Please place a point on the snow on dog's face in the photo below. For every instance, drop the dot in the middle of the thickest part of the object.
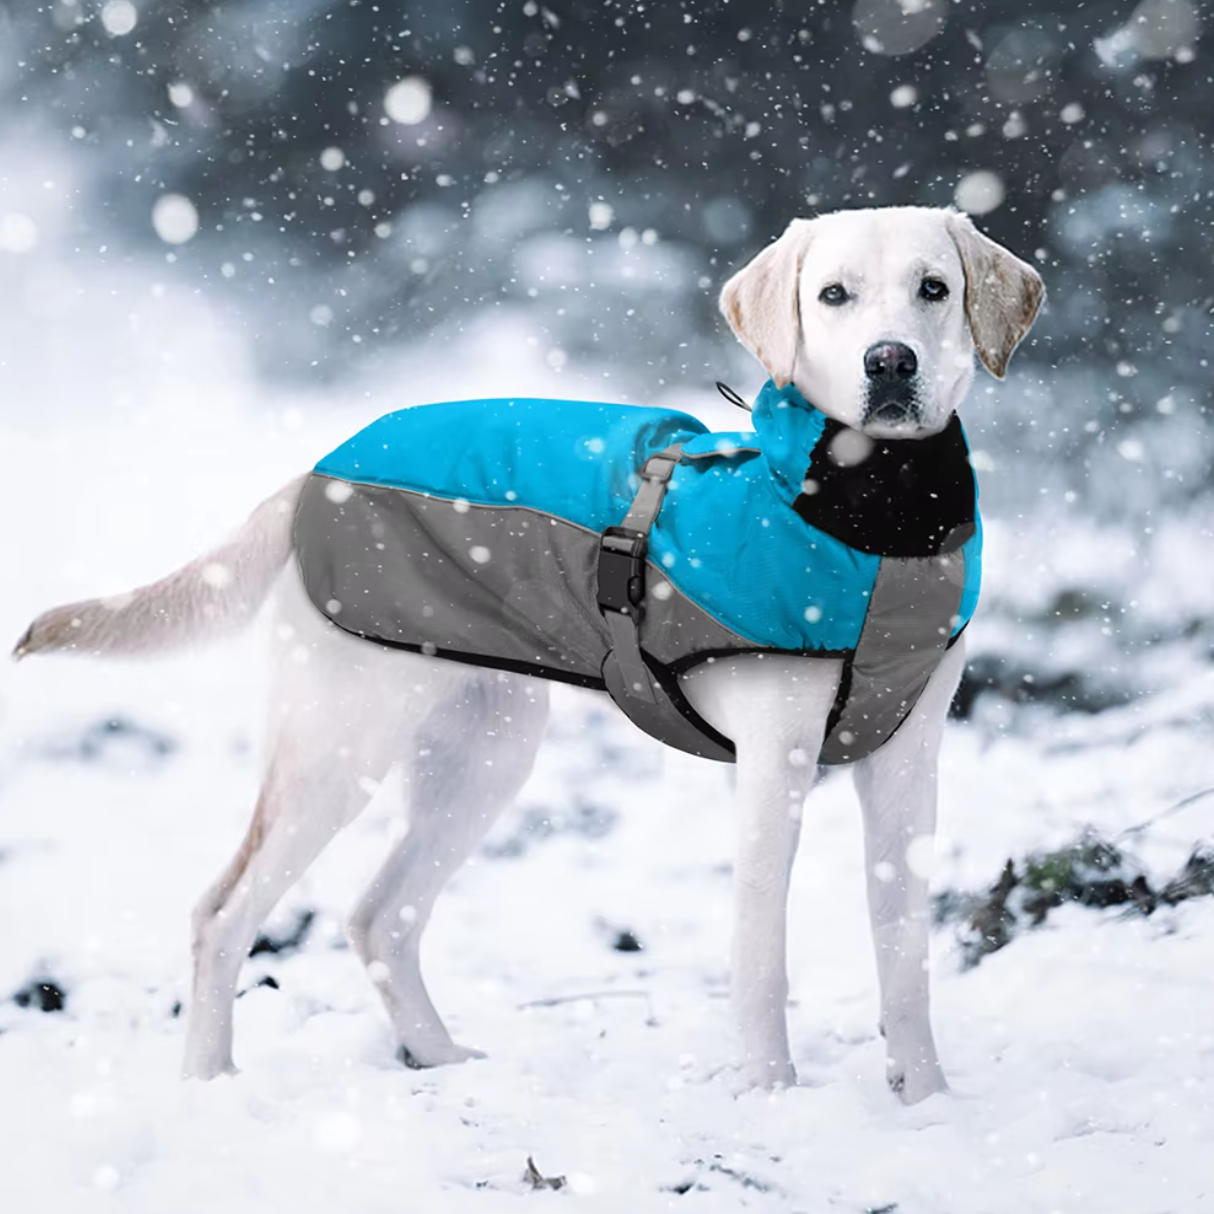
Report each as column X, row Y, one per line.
column 875, row 315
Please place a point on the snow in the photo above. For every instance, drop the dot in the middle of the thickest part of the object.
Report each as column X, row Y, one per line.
column 979, row 192
column 602, row 214
column 119, row 17
column 1081, row 1057
column 175, row 218
column 181, row 94
column 332, row 159
column 18, row 233
column 897, row 27
column 408, row 101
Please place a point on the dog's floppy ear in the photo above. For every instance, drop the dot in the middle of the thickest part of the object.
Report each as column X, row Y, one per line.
column 1002, row 294
column 762, row 301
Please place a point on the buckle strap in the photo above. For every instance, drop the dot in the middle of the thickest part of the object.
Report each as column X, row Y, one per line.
column 623, row 549
column 637, row 683
column 621, row 572
column 655, row 480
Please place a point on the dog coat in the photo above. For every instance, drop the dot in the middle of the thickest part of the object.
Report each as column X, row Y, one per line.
column 615, row 547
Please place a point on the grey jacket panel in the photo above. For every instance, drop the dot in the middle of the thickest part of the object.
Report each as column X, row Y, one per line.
column 506, row 584
column 514, row 588
column 906, row 631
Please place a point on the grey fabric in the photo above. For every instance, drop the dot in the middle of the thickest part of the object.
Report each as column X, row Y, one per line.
column 665, row 713
column 514, row 588
column 402, row 568
column 906, row 632
column 634, row 681
column 632, row 685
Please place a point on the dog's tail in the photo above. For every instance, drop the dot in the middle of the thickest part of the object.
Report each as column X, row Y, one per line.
column 211, row 597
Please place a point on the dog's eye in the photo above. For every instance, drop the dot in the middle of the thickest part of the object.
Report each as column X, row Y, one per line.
column 834, row 295
column 933, row 290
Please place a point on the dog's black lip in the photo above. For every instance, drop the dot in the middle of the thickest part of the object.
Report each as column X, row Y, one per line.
column 892, row 406
column 889, row 415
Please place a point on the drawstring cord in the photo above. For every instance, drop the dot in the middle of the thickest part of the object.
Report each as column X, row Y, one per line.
column 733, row 397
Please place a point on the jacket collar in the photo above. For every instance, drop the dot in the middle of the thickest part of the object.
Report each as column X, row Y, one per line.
column 788, row 428
column 908, row 497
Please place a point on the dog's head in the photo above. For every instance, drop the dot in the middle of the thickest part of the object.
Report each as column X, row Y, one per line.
column 875, row 315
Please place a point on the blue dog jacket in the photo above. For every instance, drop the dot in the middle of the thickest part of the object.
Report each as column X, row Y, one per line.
column 474, row 530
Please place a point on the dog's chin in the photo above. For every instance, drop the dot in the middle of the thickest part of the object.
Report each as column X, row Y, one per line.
column 899, row 417
column 879, row 428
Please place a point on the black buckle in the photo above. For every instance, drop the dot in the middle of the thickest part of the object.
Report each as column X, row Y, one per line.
column 622, row 570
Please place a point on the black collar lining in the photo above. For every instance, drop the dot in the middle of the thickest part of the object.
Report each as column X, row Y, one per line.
column 911, row 497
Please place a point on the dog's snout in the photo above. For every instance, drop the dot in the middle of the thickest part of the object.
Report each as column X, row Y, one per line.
column 890, row 361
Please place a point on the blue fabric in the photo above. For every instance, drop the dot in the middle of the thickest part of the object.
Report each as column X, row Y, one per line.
column 726, row 536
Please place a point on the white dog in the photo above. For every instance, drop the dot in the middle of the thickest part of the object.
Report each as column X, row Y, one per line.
column 922, row 288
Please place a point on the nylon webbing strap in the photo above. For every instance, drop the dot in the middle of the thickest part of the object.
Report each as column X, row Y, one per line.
column 651, row 700
column 655, row 480
column 621, row 573
column 626, row 649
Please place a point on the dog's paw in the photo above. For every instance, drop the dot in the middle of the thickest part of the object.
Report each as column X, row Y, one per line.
column 422, row 1059
column 206, row 1069
column 916, row 1082
column 764, row 1077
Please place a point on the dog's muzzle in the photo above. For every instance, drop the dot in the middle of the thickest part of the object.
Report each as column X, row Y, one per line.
column 892, row 371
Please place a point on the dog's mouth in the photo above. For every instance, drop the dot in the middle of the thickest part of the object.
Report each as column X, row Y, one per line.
column 891, row 402
column 892, row 413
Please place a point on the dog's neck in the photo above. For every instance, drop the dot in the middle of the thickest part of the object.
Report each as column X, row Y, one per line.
column 908, row 497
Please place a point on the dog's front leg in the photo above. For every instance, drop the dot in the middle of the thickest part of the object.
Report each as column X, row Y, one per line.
column 774, row 778
column 897, row 789
column 775, row 710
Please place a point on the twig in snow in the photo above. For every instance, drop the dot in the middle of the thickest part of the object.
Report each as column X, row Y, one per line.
column 1182, row 804
column 289, row 941
column 592, row 996
column 533, row 1177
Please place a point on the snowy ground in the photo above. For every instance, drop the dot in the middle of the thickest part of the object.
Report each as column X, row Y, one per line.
column 1081, row 1057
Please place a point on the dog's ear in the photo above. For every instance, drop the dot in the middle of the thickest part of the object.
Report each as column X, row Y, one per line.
column 1002, row 294
column 762, row 301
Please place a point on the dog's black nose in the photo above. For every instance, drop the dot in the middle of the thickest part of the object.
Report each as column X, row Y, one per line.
column 890, row 361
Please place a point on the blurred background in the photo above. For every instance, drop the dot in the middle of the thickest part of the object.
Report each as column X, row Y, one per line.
column 232, row 232
column 330, row 183
column 291, row 215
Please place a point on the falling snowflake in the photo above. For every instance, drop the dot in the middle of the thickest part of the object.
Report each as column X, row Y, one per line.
column 175, row 218
column 409, row 100
column 119, row 17
column 979, row 192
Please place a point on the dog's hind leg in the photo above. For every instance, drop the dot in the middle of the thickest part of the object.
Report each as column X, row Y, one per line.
column 897, row 790
column 472, row 755
column 309, row 793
